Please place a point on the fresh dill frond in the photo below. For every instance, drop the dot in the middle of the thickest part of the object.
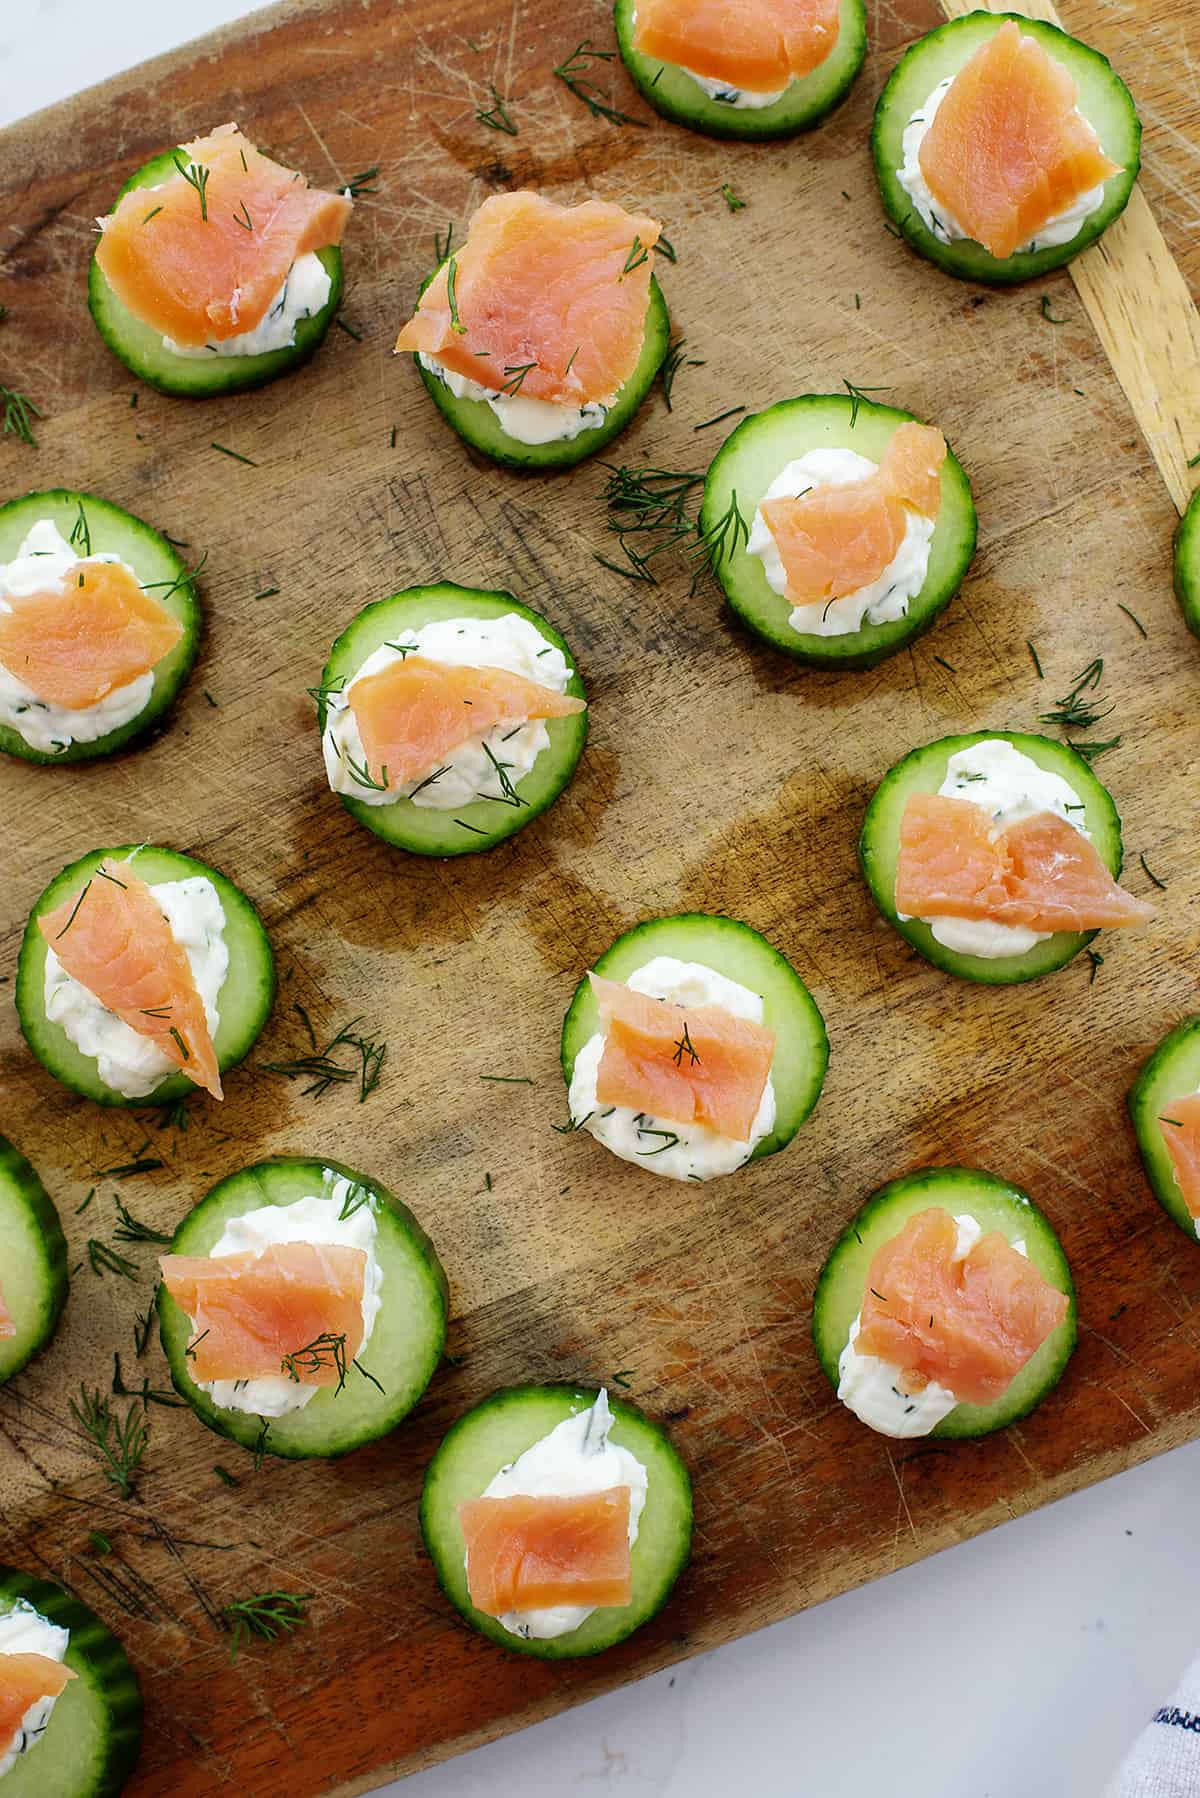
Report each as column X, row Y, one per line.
column 322, row 1068
column 497, row 117
column 649, row 511
column 1075, row 710
column 671, row 364
column 18, row 410
column 106, row 1260
column 638, row 253
column 266, row 1616
column 858, row 395
column 196, row 175
column 721, row 540
column 509, row 794
column 81, row 536
column 129, row 1229
column 664, row 247
column 323, row 1351
column 685, row 1046
column 119, row 1441
column 361, row 183
column 575, row 74
column 516, row 373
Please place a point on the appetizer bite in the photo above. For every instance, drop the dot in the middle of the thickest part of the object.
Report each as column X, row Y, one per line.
column 839, row 529
column 302, row 1308
column 70, row 1707
column 692, row 1048
column 1164, row 1103
column 217, row 269
column 996, row 855
column 557, row 1520
column 143, row 975
column 1187, row 564
column 449, row 718
column 541, row 335
column 946, row 1308
column 99, row 623
column 33, row 1268
column 1003, row 147
column 743, row 68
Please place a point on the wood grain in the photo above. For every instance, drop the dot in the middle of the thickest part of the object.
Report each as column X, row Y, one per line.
column 718, row 776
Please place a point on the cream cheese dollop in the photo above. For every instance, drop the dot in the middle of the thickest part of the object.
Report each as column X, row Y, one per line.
column 23, row 1630
column 305, row 290
column 525, row 419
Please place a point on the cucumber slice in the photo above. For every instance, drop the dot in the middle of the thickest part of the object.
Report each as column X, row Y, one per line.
column 995, row 1205
column 245, row 999
column 1187, row 564
column 143, row 352
column 483, row 823
column 744, row 467
column 733, row 949
column 91, row 1743
column 33, row 1261
column 478, row 425
column 156, row 565
column 1104, row 100
column 499, row 1430
column 1172, row 1072
column 923, row 771
column 804, row 104
column 406, row 1343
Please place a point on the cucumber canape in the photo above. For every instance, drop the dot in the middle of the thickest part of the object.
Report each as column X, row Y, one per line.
column 79, row 1030
column 953, row 1302
column 59, row 706
column 903, row 117
column 543, row 1441
column 1008, row 775
column 722, row 109
column 370, row 1324
column 824, row 445
column 722, row 1073
column 85, row 1742
column 33, row 1263
column 1187, row 564
column 392, row 749
column 1164, row 1103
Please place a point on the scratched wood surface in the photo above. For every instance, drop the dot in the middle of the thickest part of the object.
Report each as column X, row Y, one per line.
column 718, row 776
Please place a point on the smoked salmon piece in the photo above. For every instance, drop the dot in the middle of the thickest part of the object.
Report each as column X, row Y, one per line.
column 969, row 1324
column 24, row 1678
column 755, row 45
column 251, row 1312
column 1007, row 151
column 113, row 939
column 838, row 539
column 7, row 1326
column 200, row 269
column 699, row 1065
column 414, row 712
column 74, row 647
column 528, row 1554
column 550, row 300
column 1180, row 1126
column 1040, row 873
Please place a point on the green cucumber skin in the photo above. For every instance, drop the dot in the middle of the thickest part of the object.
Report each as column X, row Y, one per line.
column 993, row 1202
column 184, row 377
column 1161, row 1080
column 478, row 426
column 295, row 1438
column 877, row 856
column 692, row 935
column 250, row 986
column 803, row 105
column 640, row 1434
column 967, row 260
column 420, row 830
column 818, row 421
column 105, row 1681
column 1187, row 565
column 111, row 528
column 21, row 1189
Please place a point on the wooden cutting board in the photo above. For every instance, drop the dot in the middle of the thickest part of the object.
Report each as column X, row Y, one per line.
column 718, row 776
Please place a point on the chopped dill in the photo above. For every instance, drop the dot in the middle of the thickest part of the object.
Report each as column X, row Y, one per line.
column 152, row 214
column 508, row 1080
column 340, row 322
column 196, row 175
column 622, row 1377
column 857, row 397
column 81, row 536
column 1151, row 875
column 720, row 418
column 670, row 1139
column 266, row 1615
column 473, row 828
column 142, row 1324
column 1075, row 710
column 1133, row 617
column 685, row 1046
column 731, row 199
column 323, row 1351
column 1036, row 659
column 664, row 247
column 638, row 254
column 223, row 1474
column 86, row 1202
column 360, row 184
column 99, row 1543
column 323, row 1070
column 497, row 118
column 120, row 1441
column 516, row 376
column 235, row 454
column 1044, row 308
column 1097, row 961
column 129, row 1229
column 575, row 74
column 943, row 663
column 649, row 511
column 106, row 1260
column 456, row 323
column 245, row 221
column 18, row 410
column 509, row 794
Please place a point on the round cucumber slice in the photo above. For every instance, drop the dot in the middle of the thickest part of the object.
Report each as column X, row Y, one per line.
column 733, row 949
column 923, row 771
column 804, row 104
column 106, row 527
column 744, row 467
column 478, row 425
column 995, row 1205
column 425, row 830
column 244, row 1002
column 33, row 1261
column 1172, row 1072
column 405, row 1345
column 143, row 352
column 1104, row 100
column 1187, row 564
column 499, row 1430
column 91, row 1743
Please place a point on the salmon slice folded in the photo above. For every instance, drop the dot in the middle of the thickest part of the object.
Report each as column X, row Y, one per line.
column 698, row 1065
column 113, row 939
column 1180, row 1126
column 755, row 45
column 197, row 272
column 24, row 1678
column 529, row 1554
column 74, row 647
column 250, row 1313
column 969, row 1324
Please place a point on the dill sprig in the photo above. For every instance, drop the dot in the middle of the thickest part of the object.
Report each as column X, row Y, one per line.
column 731, row 199
column 720, row 541
column 196, row 175
column 1080, row 708
column 323, row 1351
column 361, row 183
column 575, row 74
column 671, row 364
column 360, row 773
column 127, row 1169
column 441, row 246
column 858, row 395
column 649, row 511
column 1045, row 309
column 516, row 373
column 142, row 1323
column 720, row 418
column 129, row 1229
column 685, row 1046
column 81, row 536
column 664, row 247
column 509, row 794
column 148, row 1394
column 189, row 574
column 497, row 118
column 120, row 1441
column 638, row 253
column 266, row 1615
column 357, row 1195
column 670, row 1139
column 322, row 1070
column 106, row 1260
column 18, row 409
column 1091, row 751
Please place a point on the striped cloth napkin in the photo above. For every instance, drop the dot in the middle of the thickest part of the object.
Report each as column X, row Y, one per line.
column 1164, row 1762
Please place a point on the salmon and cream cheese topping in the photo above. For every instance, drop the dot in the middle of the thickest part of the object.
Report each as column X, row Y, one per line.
column 744, row 54
column 32, row 1679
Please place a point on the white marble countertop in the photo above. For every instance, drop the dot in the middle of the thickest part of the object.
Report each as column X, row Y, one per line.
column 1017, row 1666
